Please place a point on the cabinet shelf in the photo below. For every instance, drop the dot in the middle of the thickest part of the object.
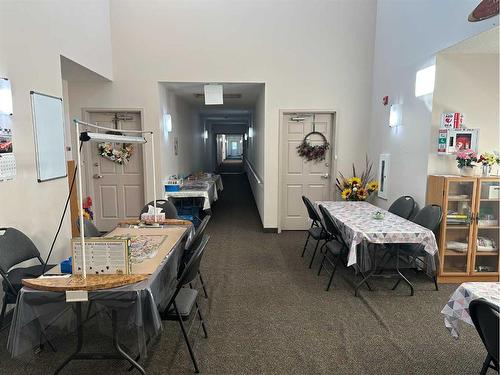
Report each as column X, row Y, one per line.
column 488, row 227
column 454, row 226
column 451, row 253
column 487, row 253
column 490, row 199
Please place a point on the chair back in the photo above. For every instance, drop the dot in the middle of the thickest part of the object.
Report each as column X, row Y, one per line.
column 330, row 225
column 311, row 210
column 89, row 228
column 193, row 243
column 403, row 206
column 166, row 206
column 429, row 217
column 486, row 317
column 191, row 270
column 15, row 247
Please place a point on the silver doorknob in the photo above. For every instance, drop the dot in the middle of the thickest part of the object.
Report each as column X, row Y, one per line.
column 325, row 176
column 97, row 176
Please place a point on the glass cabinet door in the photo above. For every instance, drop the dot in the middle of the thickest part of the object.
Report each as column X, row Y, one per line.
column 458, row 225
column 487, row 235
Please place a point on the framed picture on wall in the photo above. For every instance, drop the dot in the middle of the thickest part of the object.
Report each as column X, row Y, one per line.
column 176, row 146
column 383, row 175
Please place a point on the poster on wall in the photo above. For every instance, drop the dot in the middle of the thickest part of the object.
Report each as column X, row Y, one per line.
column 7, row 160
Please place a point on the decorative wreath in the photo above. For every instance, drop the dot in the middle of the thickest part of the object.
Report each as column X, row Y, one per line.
column 118, row 155
column 310, row 152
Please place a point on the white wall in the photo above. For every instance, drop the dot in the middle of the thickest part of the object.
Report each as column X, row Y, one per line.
column 186, row 126
column 466, row 83
column 408, row 36
column 33, row 35
column 311, row 55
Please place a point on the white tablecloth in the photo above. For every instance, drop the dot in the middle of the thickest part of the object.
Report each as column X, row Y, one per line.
column 457, row 308
column 355, row 221
column 206, row 190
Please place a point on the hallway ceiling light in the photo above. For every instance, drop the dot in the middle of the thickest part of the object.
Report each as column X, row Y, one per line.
column 424, row 81
column 5, row 97
column 205, row 134
column 213, row 94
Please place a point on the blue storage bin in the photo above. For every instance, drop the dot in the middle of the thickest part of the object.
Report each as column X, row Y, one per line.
column 172, row 188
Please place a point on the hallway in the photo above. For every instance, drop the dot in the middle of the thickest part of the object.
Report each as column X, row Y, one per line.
column 231, row 166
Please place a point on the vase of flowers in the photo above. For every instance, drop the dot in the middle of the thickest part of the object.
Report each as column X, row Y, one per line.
column 357, row 187
column 465, row 161
column 488, row 160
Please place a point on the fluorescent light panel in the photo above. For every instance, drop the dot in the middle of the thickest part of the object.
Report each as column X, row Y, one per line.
column 102, row 137
column 5, row 97
column 213, row 94
column 396, row 115
column 250, row 132
column 424, row 81
column 167, row 122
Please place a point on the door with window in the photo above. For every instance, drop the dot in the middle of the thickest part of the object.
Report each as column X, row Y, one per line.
column 117, row 189
column 299, row 176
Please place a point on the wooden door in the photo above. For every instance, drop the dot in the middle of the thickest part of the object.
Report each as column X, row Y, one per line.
column 300, row 177
column 117, row 189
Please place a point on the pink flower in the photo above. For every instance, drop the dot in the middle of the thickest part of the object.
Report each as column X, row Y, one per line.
column 466, row 154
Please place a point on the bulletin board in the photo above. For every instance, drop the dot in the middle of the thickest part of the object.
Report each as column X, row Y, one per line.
column 48, row 129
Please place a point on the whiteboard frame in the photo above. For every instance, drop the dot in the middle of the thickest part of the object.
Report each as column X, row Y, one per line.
column 35, row 132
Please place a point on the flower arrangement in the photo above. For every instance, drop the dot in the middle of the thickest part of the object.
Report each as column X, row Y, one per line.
column 87, row 209
column 489, row 159
column 357, row 188
column 466, row 158
column 310, row 152
column 119, row 156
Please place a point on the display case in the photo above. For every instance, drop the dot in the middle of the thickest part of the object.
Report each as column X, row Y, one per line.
column 468, row 237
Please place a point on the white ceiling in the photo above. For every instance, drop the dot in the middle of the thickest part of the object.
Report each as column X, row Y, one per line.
column 485, row 43
column 186, row 90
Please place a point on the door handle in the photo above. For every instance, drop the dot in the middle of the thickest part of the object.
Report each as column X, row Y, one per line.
column 97, row 176
column 325, row 176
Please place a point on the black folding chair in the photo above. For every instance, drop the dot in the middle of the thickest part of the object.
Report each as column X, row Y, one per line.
column 166, row 206
column 486, row 317
column 89, row 228
column 403, row 206
column 429, row 217
column 316, row 230
column 15, row 248
column 191, row 247
column 185, row 300
column 335, row 247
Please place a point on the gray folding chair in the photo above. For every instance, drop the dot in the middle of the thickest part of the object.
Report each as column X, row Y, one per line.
column 403, row 206
column 316, row 231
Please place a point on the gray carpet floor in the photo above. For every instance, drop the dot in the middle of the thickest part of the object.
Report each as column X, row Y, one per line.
column 269, row 314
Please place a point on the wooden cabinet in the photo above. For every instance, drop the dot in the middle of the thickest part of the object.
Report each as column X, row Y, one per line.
column 468, row 237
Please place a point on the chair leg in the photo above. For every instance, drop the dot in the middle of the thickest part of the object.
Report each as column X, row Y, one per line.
column 186, row 338
column 2, row 314
column 321, row 264
column 314, row 254
column 202, row 320
column 305, row 245
column 331, row 276
column 436, row 283
column 486, row 365
column 202, row 284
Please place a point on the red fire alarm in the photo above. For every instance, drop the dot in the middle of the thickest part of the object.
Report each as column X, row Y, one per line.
column 385, row 100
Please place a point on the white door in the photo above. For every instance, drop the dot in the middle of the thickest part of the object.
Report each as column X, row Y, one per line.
column 117, row 190
column 300, row 177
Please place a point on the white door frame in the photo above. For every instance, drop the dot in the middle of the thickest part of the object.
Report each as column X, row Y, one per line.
column 334, row 155
column 86, row 154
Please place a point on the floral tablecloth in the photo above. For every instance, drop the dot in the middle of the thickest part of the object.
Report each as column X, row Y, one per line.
column 358, row 226
column 457, row 308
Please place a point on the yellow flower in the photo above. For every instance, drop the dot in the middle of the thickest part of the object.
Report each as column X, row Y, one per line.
column 346, row 193
column 372, row 186
column 362, row 194
column 354, row 181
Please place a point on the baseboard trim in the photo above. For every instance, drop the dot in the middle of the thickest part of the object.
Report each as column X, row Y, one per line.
column 270, row 230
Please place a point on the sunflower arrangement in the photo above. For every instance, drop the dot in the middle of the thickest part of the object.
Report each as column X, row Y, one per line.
column 357, row 188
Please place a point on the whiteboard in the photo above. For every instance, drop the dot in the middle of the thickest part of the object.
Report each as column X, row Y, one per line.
column 48, row 128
